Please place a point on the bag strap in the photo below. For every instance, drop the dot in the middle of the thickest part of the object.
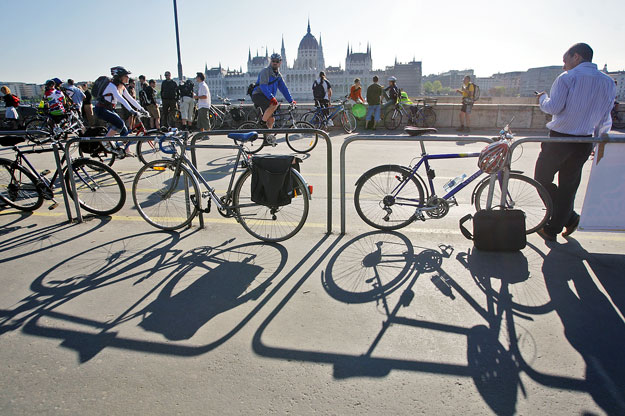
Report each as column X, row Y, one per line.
column 463, row 229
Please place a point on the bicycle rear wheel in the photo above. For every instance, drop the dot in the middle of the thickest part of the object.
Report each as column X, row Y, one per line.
column 38, row 130
column 271, row 224
column 99, row 189
column 523, row 193
column 159, row 194
column 426, row 117
column 302, row 142
column 348, row 121
column 387, row 197
column 256, row 145
column 149, row 151
column 392, row 118
column 18, row 187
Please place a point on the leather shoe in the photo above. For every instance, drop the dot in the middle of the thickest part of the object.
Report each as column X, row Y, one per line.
column 570, row 229
column 545, row 235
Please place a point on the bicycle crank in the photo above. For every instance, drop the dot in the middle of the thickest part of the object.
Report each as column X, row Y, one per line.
column 437, row 208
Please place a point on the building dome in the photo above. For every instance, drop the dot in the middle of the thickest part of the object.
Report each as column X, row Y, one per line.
column 308, row 42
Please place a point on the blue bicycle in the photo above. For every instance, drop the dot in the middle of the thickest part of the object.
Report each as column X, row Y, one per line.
column 390, row 197
column 320, row 117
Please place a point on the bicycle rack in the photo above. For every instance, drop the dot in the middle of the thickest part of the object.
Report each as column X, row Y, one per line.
column 321, row 133
column 79, row 140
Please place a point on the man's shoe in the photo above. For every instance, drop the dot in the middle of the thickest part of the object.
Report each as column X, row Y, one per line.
column 461, row 128
column 570, row 229
column 545, row 235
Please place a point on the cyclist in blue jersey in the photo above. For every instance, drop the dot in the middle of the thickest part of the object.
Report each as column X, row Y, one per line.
column 269, row 82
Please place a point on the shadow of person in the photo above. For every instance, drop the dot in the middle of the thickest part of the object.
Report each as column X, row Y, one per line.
column 592, row 325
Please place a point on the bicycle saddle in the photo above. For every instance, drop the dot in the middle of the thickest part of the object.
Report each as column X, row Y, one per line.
column 418, row 131
column 243, row 137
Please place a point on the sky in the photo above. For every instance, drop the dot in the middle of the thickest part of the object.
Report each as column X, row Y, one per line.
column 82, row 39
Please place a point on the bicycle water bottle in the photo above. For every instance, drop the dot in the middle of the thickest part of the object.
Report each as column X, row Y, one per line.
column 454, row 182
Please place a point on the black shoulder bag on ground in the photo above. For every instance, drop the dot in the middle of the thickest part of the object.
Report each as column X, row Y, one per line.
column 496, row 230
column 272, row 181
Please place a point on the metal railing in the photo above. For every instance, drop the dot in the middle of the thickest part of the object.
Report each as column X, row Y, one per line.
column 397, row 138
column 68, row 159
column 198, row 136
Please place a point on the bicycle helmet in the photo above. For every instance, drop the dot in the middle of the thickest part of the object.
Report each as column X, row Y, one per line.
column 118, row 71
column 493, row 157
column 50, row 83
column 57, row 81
column 392, row 79
column 276, row 57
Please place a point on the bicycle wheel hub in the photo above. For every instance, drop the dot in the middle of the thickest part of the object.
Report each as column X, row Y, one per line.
column 388, row 200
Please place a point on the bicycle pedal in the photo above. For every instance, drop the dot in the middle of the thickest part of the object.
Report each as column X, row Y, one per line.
column 53, row 206
column 44, row 172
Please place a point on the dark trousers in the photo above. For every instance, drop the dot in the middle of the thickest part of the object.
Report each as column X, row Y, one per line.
column 323, row 103
column 169, row 105
column 567, row 160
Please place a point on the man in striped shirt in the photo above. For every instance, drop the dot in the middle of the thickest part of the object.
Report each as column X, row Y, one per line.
column 580, row 103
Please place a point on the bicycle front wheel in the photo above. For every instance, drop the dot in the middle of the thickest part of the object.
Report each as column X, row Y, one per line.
column 38, row 130
column 99, row 189
column 256, row 145
column 387, row 197
column 392, row 118
column 348, row 121
column 18, row 187
column 314, row 118
column 523, row 193
column 271, row 224
column 159, row 193
column 302, row 142
column 148, row 151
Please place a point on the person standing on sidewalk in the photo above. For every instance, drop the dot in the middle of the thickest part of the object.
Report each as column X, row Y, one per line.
column 580, row 103
column 203, row 102
column 149, row 98
column 374, row 100
column 187, row 104
column 169, row 95
column 468, row 94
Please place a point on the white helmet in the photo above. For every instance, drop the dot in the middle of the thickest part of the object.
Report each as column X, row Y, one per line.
column 392, row 79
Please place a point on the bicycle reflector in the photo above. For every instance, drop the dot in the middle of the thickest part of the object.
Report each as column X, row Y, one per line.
column 493, row 157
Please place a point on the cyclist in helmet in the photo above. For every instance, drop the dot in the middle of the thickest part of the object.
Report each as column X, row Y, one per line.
column 267, row 85
column 391, row 93
column 56, row 103
column 113, row 93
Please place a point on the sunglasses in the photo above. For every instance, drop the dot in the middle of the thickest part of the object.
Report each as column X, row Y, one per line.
column 275, row 62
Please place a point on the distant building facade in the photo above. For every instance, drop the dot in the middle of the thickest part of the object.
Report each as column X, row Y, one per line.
column 302, row 72
column 619, row 78
column 538, row 79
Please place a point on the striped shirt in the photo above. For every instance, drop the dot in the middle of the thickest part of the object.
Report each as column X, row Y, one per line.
column 580, row 101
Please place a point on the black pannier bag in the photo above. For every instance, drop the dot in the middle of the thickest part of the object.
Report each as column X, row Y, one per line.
column 93, row 148
column 496, row 230
column 11, row 140
column 272, row 180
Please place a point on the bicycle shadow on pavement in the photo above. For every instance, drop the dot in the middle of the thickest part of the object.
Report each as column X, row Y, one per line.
column 35, row 239
column 143, row 298
column 384, row 268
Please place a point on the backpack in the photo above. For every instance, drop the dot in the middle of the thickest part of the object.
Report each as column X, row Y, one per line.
column 99, row 85
column 319, row 92
column 476, row 92
column 143, row 98
column 16, row 100
column 252, row 87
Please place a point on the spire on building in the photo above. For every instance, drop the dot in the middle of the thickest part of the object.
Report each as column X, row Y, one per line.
column 205, row 67
column 266, row 52
column 308, row 31
column 320, row 45
column 368, row 49
column 283, row 53
column 249, row 54
column 395, row 59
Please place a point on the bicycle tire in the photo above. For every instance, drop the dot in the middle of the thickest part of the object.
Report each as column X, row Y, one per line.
column 38, row 130
column 18, row 187
column 348, row 121
column 98, row 188
column 302, row 142
column 102, row 155
column 148, row 151
column 392, row 118
column 155, row 180
column 271, row 224
column 426, row 117
column 313, row 118
column 373, row 208
column 520, row 190
column 255, row 145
